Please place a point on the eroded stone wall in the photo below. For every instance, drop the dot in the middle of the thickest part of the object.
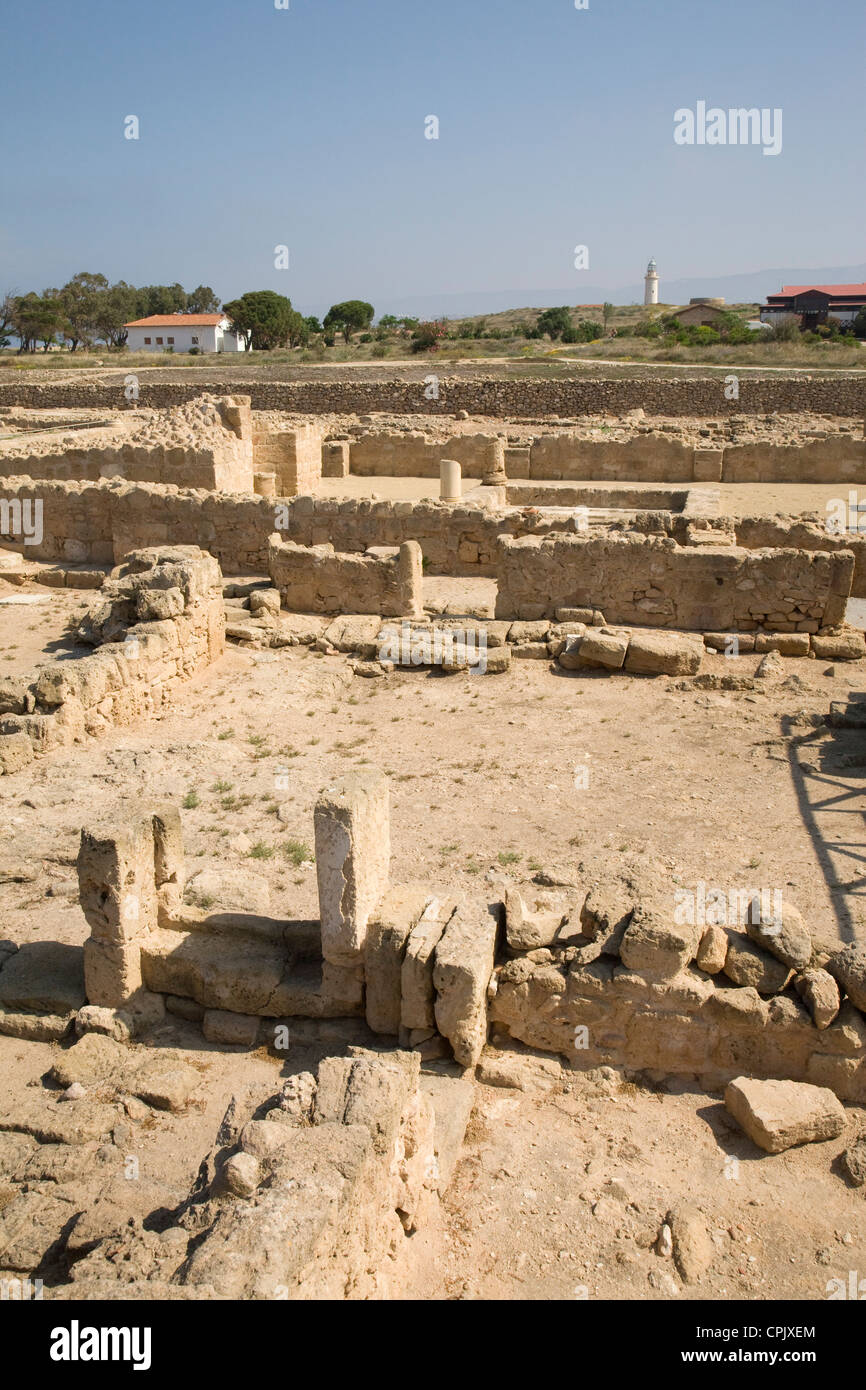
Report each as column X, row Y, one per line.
column 156, row 622
column 651, row 580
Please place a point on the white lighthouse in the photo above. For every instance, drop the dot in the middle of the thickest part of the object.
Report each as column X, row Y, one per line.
column 651, row 280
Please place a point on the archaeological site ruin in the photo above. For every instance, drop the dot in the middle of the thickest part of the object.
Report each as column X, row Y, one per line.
column 433, row 861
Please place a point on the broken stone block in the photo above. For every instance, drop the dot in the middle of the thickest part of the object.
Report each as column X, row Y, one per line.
column 168, row 862
column 712, row 951
column 599, row 648
column 44, row 977
column 353, row 848
column 116, row 880
column 164, row 1084
column 113, row 1023
column 525, row 930
column 692, row 1244
column 843, row 646
column 112, row 974
column 747, row 964
column 663, row 653
column 820, row 993
column 778, row 1115
column 388, row 931
column 462, row 968
column 606, row 912
column 16, row 751
column 229, row 1029
column 848, row 968
column 784, row 934
column 35, row 1027
column 416, row 975
column 854, row 1162
column 353, row 632
column 654, row 942
column 94, row 1059
column 242, row 1174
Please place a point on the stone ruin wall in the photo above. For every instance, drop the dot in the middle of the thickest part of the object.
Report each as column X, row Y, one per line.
column 318, row 579
column 608, row 973
column 691, row 395
column 156, row 622
column 101, row 523
column 650, row 580
column 207, row 443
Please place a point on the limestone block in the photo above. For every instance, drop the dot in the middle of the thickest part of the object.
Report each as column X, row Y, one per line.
column 848, row 968
column 353, row 851
column 462, row 968
column 16, row 751
column 778, row 1115
column 786, row 643
column 112, row 973
column 230, row 1029
column 782, row 932
column 845, row 646
column 43, row 977
column 712, row 951
column 663, row 653
column 526, row 930
column 387, row 934
column 747, row 964
column 599, row 648
column 654, row 942
column 417, row 994
column 116, row 881
column 820, row 993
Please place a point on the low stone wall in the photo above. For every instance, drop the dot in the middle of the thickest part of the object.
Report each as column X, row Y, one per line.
column 650, row 579
column 492, row 396
column 157, row 621
column 402, row 455
column 318, row 579
column 710, row 983
column 804, row 533
column 207, row 444
column 624, row 969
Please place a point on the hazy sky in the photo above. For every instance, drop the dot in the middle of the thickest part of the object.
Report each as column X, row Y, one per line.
column 306, row 127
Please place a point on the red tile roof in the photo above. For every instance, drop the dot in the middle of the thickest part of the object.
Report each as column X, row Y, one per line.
column 177, row 321
column 834, row 290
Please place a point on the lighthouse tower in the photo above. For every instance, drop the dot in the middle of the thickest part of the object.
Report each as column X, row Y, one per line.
column 651, row 280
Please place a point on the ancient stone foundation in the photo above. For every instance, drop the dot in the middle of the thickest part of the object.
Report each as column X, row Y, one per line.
column 157, row 621
column 631, row 970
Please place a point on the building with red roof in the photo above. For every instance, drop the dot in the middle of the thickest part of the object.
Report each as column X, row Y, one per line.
column 814, row 304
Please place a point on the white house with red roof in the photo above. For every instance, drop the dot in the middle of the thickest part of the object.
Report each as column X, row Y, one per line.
column 180, row 332
column 814, row 304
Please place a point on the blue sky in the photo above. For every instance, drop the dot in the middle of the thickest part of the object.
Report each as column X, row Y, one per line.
column 305, row 127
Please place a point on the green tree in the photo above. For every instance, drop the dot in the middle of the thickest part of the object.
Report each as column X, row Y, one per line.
column 202, row 300
column 859, row 324
column 313, row 324
column 606, row 312
column 263, row 318
column 389, row 321
column 79, row 303
column 554, row 322
column 161, row 299
column 37, row 319
column 116, row 306
column 348, row 317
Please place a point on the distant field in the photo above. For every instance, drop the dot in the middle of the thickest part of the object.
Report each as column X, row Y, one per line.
column 503, row 343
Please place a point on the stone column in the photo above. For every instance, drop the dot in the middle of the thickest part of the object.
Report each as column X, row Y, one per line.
column 117, row 888
column 353, row 851
column 410, row 576
column 449, row 480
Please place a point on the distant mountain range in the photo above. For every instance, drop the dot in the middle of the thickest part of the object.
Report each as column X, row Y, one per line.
column 736, row 289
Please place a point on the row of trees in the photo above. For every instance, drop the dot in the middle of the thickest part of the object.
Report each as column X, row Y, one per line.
column 87, row 310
